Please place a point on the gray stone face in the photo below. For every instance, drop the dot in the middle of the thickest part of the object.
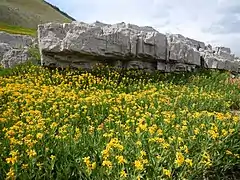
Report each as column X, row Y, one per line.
column 15, row 41
column 140, row 65
column 182, row 50
column 221, row 65
column 224, row 49
column 14, row 49
column 4, row 47
column 126, row 41
column 14, row 57
column 196, row 44
column 122, row 45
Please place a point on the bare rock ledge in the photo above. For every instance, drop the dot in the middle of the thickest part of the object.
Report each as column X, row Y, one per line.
column 83, row 45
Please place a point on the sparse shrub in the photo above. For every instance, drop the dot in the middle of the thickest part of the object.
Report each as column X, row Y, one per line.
column 35, row 57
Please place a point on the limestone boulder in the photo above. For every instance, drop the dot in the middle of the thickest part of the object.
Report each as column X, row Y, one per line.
column 4, row 47
column 101, row 41
column 220, row 58
column 182, row 50
column 16, row 41
column 83, row 45
column 14, row 49
column 14, row 57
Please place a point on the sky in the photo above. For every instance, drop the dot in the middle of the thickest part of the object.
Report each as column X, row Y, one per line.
column 215, row 22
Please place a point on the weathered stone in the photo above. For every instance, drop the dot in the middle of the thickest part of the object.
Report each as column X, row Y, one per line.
column 181, row 50
column 196, row 44
column 14, row 57
column 211, row 62
column 14, row 49
column 221, row 64
column 161, row 65
column 235, row 66
column 224, row 49
column 4, row 47
column 208, row 47
column 226, row 55
column 100, row 40
column 122, row 45
column 55, row 60
column 228, row 65
column 16, row 41
column 140, row 65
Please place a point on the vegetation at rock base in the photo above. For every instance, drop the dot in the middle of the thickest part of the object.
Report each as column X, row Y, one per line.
column 105, row 124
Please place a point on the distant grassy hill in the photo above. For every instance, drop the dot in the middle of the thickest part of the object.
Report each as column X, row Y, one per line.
column 23, row 16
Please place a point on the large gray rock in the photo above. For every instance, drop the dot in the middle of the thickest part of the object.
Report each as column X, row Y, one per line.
column 220, row 58
column 183, row 50
column 4, row 47
column 196, row 44
column 16, row 41
column 122, row 45
column 14, row 57
column 14, row 49
column 99, row 40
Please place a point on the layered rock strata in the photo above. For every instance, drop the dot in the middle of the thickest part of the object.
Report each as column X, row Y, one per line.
column 83, row 45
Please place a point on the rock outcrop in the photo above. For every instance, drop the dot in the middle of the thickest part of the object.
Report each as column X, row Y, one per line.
column 14, row 49
column 83, row 45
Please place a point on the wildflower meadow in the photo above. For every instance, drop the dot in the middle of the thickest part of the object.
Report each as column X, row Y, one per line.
column 110, row 124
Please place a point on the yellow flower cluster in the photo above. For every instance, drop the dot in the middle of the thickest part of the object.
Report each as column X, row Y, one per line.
column 70, row 126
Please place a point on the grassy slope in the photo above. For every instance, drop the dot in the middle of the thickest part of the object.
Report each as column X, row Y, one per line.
column 17, row 30
column 23, row 16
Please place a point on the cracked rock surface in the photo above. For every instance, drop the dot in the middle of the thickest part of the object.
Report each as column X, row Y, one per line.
column 14, row 49
column 79, row 44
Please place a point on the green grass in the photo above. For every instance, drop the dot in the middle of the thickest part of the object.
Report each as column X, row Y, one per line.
column 29, row 13
column 17, row 30
column 107, row 124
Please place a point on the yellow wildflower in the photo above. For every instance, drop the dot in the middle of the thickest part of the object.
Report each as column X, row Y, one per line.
column 123, row 174
column 138, row 165
column 165, row 145
column 94, row 165
column 229, row 152
column 39, row 135
column 159, row 132
column 179, row 159
column 206, row 159
column 39, row 165
column 189, row 161
column 120, row 159
column 11, row 160
column 107, row 163
column 139, row 143
column 144, row 161
column 31, row 153
column 10, row 174
column 24, row 166
column 143, row 153
column 166, row 172
column 196, row 131
column 86, row 160
column 52, row 157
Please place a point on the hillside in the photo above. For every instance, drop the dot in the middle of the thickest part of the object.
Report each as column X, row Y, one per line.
column 29, row 13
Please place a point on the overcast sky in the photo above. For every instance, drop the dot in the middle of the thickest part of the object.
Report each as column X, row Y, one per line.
column 212, row 21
